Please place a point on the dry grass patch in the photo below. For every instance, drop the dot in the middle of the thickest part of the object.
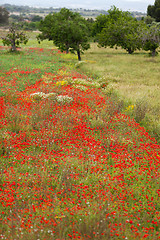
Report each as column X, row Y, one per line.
column 133, row 77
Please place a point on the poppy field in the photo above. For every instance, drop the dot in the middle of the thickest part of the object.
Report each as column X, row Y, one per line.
column 72, row 165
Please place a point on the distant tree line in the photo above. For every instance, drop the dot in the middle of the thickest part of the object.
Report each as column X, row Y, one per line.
column 70, row 32
column 25, row 23
column 91, row 13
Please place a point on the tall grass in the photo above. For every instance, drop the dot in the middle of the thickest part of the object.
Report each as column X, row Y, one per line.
column 135, row 79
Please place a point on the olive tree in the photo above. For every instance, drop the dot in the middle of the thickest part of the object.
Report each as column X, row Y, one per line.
column 120, row 30
column 151, row 38
column 14, row 38
column 67, row 30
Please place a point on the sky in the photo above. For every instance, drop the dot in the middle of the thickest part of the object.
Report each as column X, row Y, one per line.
column 125, row 5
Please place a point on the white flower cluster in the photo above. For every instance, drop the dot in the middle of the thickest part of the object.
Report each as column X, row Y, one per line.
column 37, row 95
column 52, row 95
column 41, row 95
column 64, row 99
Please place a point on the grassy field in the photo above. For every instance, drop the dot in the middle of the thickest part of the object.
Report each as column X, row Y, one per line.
column 72, row 165
column 134, row 78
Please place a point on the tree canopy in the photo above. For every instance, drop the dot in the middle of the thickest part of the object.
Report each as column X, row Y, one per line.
column 67, row 29
column 151, row 38
column 4, row 16
column 154, row 10
column 120, row 29
column 14, row 38
column 99, row 24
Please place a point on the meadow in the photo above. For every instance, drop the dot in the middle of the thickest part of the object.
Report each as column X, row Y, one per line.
column 74, row 162
column 135, row 79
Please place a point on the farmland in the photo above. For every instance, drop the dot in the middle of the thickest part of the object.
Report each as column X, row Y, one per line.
column 74, row 163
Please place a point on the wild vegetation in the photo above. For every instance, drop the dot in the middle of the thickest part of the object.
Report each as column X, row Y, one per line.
column 79, row 142
column 134, row 79
column 73, row 166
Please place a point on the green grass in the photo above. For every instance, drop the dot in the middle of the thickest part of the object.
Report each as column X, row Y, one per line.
column 74, row 169
column 134, row 78
column 32, row 40
column 26, row 67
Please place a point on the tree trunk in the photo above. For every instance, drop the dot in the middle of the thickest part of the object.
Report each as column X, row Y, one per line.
column 153, row 53
column 79, row 55
column 13, row 46
column 67, row 48
column 130, row 51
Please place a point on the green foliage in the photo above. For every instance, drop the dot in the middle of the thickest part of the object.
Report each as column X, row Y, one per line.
column 90, row 24
column 120, row 30
column 30, row 25
column 99, row 24
column 4, row 15
column 67, row 30
column 14, row 38
column 148, row 19
column 151, row 38
column 36, row 18
column 154, row 10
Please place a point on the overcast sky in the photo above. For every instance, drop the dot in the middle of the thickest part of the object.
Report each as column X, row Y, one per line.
column 129, row 5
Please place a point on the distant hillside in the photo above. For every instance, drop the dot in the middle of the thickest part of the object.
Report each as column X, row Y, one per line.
column 26, row 10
